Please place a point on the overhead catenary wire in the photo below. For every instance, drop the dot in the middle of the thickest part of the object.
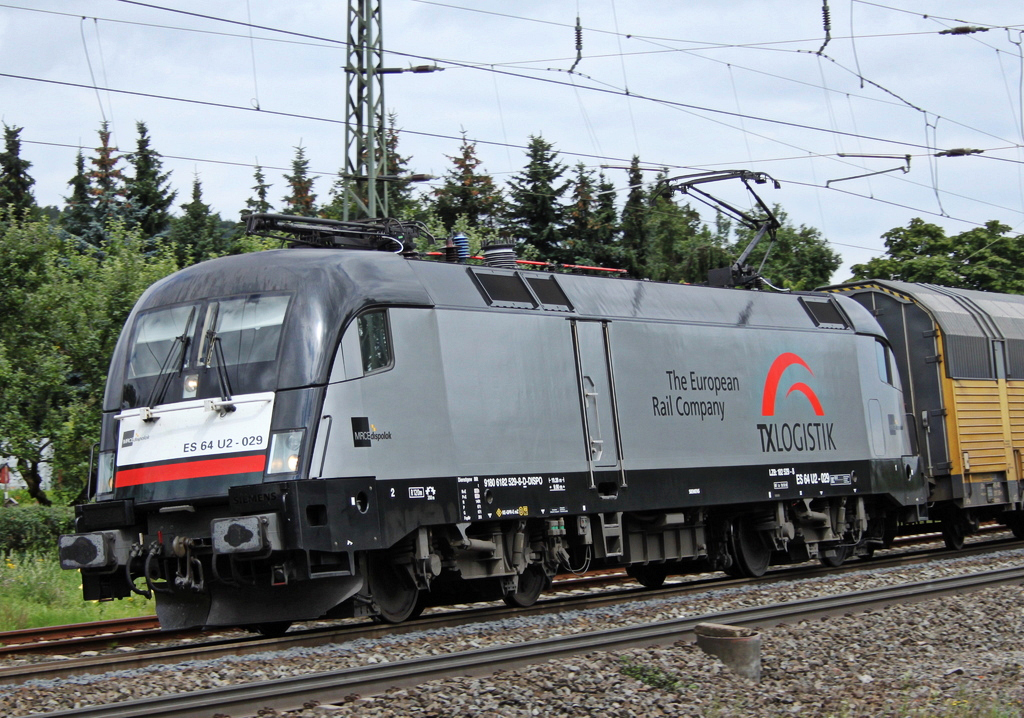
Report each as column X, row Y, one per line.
column 92, row 74
column 575, row 90
column 492, row 67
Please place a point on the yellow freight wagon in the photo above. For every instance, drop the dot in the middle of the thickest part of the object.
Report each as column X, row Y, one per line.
column 960, row 356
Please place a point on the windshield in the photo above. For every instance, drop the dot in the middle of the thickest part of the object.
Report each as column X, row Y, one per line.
column 248, row 328
column 175, row 357
column 157, row 337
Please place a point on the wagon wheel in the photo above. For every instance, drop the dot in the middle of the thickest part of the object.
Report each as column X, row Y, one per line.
column 391, row 589
column 954, row 530
column 649, row 576
column 532, row 583
column 841, row 554
column 751, row 552
column 1014, row 522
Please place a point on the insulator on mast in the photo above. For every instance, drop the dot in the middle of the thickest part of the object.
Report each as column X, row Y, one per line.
column 579, row 44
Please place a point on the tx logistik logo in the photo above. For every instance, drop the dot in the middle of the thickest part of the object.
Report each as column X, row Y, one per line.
column 799, row 436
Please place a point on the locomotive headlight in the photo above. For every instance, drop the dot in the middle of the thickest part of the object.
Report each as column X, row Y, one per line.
column 285, row 449
column 191, row 386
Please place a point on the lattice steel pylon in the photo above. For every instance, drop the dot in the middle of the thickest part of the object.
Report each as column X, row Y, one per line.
column 366, row 155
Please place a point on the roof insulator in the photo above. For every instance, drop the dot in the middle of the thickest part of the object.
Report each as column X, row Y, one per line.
column 963, row 30
column 959, row 152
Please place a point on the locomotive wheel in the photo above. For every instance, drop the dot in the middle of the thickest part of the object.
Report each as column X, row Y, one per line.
column 953, row 532
column 841, row 554
column 752, row 554
column 650, row 576
column 272, row 629
column 532, row 583
column 392, row 590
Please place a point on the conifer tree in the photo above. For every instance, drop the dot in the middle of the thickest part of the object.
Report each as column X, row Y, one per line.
column 338, row 197
column 15, row 182
column 300, row 201
column 147, row 191
column 197, row 234
column 581, row 218
column 106, row 189
column 467, row 192
column 535, row 213
column 634, row 215
column 680, row 248
column 607, row 250
column 401, row 202
column 78, row 214
column 258, row 203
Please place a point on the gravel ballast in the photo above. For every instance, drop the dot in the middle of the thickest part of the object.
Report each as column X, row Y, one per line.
column 956, row 656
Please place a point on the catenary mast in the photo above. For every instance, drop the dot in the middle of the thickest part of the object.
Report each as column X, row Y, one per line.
column 365, row 145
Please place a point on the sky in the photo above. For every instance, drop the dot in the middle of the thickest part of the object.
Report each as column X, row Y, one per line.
column 686, row 85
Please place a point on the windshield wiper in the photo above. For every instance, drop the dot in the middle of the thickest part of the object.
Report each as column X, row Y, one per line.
column 216, row 352
column 181, row 344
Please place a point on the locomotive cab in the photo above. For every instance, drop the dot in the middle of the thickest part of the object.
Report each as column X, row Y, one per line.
column 211, row 413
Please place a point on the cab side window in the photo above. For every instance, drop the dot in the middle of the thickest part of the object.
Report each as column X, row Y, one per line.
column 884, row 359
column 374, row 341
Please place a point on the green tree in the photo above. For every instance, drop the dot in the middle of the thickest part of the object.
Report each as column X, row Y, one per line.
column 147, row 190
column 258, row 203
column 634, row 223
column 300, row 201
column 79, row 213
column 581, row 217
column 984, row 258
column 679, row 246
column 197, row 234
column 104, row 185
column 467, row 192
column 605, row 244
column 799, row 259
column 535, row 214
column 15, row 182
column 402, row 202
column 59, row 321
column 591, row 222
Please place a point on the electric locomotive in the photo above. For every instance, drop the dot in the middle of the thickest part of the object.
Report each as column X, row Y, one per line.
column 331, row 430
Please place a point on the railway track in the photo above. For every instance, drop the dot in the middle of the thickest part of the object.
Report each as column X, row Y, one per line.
column 126, row 632
column 293, row 693
column 572, row 598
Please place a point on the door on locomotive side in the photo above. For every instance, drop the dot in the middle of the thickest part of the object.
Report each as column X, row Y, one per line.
column 598, row 408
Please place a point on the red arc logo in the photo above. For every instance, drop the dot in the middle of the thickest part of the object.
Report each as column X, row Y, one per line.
column 771, row 385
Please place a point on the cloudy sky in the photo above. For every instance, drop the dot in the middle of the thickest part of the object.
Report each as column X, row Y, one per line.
column 691, row 85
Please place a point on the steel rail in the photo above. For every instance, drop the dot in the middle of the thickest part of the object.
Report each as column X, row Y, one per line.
column 10, row 640
column 451, row 617
column 332, row 686
column 130, row 631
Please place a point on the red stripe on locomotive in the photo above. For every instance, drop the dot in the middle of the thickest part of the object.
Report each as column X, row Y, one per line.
column 191, row 470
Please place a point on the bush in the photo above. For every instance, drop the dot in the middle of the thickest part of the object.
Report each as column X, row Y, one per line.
column 34, row 528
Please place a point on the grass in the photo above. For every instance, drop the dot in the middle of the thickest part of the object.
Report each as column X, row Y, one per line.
column 36, row 592
column 651, row 675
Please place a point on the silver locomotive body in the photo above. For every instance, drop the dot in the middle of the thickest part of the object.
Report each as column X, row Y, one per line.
column 300, row 433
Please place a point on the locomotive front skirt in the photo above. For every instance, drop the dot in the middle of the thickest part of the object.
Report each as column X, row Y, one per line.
column 301, row 433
